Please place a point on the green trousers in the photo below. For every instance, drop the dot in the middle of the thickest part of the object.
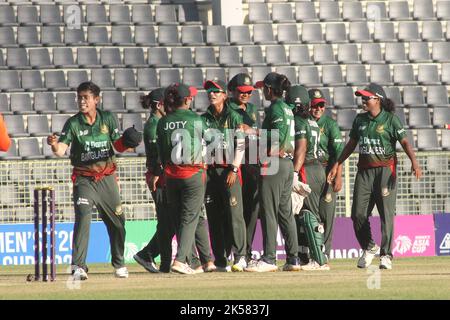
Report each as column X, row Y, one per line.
column 327, row 213
column 250, row 177
column 374, row 186
column 276, row 210
column 225, row 216
column 104, row 194
column 185, row 198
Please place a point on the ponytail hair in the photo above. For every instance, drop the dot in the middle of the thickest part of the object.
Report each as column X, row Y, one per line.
column 172, row 98
column 388, row 105
column 282, row 84
column 147, row 103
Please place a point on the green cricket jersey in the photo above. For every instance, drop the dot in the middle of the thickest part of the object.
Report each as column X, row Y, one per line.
column 179, row 138
column 331, row 143
column 91, row 148
column 308, row 129
column 279, row 116
column 377, row 138
column 227, row 125
column 151, row 147
column 249, row 115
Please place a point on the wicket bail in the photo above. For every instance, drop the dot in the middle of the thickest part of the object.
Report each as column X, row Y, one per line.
column 47, row 204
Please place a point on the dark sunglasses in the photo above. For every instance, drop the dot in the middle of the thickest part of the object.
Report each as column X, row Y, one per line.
column 319, row 105
column 246, row 92
column 368, row 98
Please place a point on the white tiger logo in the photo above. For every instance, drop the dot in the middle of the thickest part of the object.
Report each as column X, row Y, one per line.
column 402, row 244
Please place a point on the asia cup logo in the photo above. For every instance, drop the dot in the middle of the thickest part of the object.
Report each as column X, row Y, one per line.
column 402, row 244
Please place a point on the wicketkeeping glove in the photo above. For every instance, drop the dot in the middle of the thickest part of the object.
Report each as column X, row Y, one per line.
column 131, row 137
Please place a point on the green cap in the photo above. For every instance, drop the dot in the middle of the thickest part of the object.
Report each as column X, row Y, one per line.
column 297, row 95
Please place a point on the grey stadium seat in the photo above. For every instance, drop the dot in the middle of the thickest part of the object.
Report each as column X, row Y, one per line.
column 38, row 126
column 309, row 76
column 332, row 76
column 356, row 75
column 395, row 53
column 305, row 12
column 50, row 15
column 299, row 55
column 29, row 149
column 423, row 10
column 193, row 77
column 134, row 58
column 119, row 14
column 443, row 10
column 229, row 57
column 418, row 52
column 419, row 118
column 352, row 11
column 260, row 72
column 413, row 97
column 289, row 72
column 216, row 73
column 111, row 58
column 145, row 36
column 216, row 36
column 182, row 57
column 98, row 36
column 376, row 11
column 345, row 118
column 7, row 17
column 329, row 11
column 399, row 10
column 27, row 16
column 239, row 35
column 112, row 101
column 344, row 98
column 408, row 31
column 404, row 75
column 166, row 14
column 348, row 53
column 394, row 94
column 169, row 76
column 16, row 127
column 28, row 37
column 437, row 96
column 445, row 139
column 428, row 74
column 168, row 36
column 323, row 54
column 133, row 101
column 66, row 102
column 96, row 14
column 440, row 51
column 63, row 58
column 432, row 31
column 9, row 81
column 282, row 13
column 276, row 56
column 74, row 37
column 445, row 73
column 102, row 77
column 192, row 36
column 258, row 13
column 40, row 59
column 142, row 14
column 385, row 32
column 51, row 36
column 55, row 80
column 263, row 34
column 132, row 119
column 88, row 58
column 17, row 58
column 7, row 38
column 441, row 116
column 252, row 56
column 205, row 57
column 147, row 79
column 11, row 154
column 158, row 57
column 44, row 102
column 287, row 34
column 379, row 73
column 359, row 32
column 32, row 80
column 427, row 140
column 121, row 36
column 312, row 33
column 20, row 103
column 124, row 80
column 335, row 33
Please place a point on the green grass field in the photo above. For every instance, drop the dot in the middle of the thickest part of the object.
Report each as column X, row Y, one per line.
column 411, row 278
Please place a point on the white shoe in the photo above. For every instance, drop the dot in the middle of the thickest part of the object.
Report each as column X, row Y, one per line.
column 386, row 262
column 240, row 265
column 121, row 272
column 79, row 273
column 367, row 257
column 315, row 266
column 223, row 269
column 262, row 266
column 182, row 268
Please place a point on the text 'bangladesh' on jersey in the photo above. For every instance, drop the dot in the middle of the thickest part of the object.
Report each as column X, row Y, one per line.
column 91, row 148
column 331, row 143
column 377, row 138
column 309, row 130
column 279, row 116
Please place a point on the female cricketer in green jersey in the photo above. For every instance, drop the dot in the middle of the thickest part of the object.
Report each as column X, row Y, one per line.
column 331, row 145
column 92, row 133
column 376, row 131
column 223, row 191
column 241, row 89
column 275, row 189
column 179, row 140
column 308, row 170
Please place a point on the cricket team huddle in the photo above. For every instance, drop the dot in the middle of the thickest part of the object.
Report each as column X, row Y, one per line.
column 209, row 186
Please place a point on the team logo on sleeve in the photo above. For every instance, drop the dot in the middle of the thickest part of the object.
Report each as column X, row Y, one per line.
column 119, row 210
column 380, row 128
column 328, row 197
column 253, row 117
column 104, row 129
column 385, row 192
